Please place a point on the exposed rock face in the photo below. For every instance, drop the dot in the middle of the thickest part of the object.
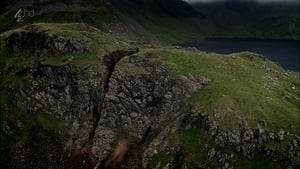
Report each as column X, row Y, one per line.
column 112, row 103
column 60, row 91
column 246, row 141
column 140, row 104
column 31, row 39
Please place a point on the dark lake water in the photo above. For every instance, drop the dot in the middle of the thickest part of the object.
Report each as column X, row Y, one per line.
column 285, row 52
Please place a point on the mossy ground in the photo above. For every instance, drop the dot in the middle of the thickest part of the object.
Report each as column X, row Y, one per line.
column 193, row 142
column 43, row 120
column 259, row 161
column 162, row 158
column 243, row 86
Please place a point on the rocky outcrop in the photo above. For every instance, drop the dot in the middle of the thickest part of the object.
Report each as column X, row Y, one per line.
column 139, row 105
column 68, row 93
column 247, row 141
column 65, row 92
column 31, row 39
column 129, row 98
column 226, row 146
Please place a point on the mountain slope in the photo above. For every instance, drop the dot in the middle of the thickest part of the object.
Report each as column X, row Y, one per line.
column 98, row 101
column 154, row 21
column 166, row 21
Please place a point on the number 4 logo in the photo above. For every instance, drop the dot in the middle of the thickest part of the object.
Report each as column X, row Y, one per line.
column 19, row 16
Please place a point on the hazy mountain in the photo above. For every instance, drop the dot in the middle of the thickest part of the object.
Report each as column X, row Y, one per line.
column 170, row 21
column 251, row 19
column 151, row 20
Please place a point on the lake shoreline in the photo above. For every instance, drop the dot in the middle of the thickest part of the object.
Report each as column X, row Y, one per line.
column 285, row 52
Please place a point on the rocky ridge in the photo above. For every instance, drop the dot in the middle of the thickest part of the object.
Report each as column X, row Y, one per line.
column 246, row 141
column 111, row 102
column 32, row 39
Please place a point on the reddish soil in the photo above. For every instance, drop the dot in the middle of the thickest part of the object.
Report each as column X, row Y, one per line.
column 116, row 158
column 81, row 159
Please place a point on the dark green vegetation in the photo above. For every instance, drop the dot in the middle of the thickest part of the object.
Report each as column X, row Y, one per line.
column 260, row 162
column 193, row 140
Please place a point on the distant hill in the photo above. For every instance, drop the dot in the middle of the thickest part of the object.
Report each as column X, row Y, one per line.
column 175, row 8
column 252, row 20
column 170, row 21
column 162, row 21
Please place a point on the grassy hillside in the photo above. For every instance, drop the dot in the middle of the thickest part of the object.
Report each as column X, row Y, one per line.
column 245, row 89
column 171, row 21
column 154, row 21
column 244, row 86
column 164, row 21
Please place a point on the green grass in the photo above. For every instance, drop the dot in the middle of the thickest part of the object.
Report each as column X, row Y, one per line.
column 259, row 161
column 192, row 142
column 79, row 59
column 10, row 72
column 280, row 148
column 96, row 39
column 98, row 43
column 243, row 86
column 160, row 157
column 44, row 120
